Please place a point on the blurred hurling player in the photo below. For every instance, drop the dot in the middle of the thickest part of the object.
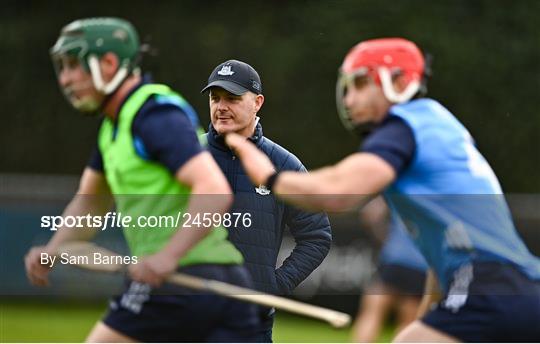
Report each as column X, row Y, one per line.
column 431, row 173
column 399, row 282
column 147, row 145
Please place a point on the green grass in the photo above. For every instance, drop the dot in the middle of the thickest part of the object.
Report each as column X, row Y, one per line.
column 47, row 322
column 71, row 322
column 291, row 328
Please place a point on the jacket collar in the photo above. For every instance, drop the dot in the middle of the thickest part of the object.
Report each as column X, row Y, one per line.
column 218, row 141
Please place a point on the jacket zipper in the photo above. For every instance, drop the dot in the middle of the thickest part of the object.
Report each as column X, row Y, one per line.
column 234, row 174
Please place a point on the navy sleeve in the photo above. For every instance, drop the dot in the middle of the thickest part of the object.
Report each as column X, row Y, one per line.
column 393, row 141
column 164, row 133
column 96, row 161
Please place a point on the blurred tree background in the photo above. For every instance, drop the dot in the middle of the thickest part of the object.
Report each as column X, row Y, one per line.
column 486, row 70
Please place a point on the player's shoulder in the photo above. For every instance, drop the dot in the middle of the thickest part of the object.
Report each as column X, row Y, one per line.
column 421, row 112
column 171, row 106
column 153, row 111
column 161, row 103
column 156, row 95
column 159, row 120
column 392, row 128
column 280, row 156
column 416, row 106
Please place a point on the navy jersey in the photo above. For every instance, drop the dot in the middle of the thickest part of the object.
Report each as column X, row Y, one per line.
column 163, row 131
column 446, row 193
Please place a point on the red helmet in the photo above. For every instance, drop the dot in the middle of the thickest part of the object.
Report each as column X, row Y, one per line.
column 395, row 54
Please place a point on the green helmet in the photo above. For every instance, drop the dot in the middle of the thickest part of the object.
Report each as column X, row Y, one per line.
column 89, row 39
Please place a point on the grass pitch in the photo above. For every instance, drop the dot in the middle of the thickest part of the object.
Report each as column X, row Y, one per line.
column 61, row 321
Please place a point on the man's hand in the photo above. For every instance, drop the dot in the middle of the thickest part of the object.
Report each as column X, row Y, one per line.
column 36, row 272
column 154, row 269
column 257, row 165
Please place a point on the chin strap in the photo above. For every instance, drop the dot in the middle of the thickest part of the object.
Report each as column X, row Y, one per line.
column 389, row 91
column 97, row 78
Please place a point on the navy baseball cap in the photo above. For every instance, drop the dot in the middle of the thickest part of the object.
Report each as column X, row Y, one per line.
column 236, row 77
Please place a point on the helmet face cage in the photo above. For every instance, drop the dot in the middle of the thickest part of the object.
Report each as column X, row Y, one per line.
column 62, row 54
column 346, row 82
column 67, row 54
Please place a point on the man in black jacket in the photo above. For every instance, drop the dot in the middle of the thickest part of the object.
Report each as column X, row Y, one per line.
column 235, row 97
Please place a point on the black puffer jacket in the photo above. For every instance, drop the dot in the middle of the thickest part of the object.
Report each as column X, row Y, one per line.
column 260, row 242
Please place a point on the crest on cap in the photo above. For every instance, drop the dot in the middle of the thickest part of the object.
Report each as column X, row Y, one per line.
column 226, row 70
column 256, row 85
